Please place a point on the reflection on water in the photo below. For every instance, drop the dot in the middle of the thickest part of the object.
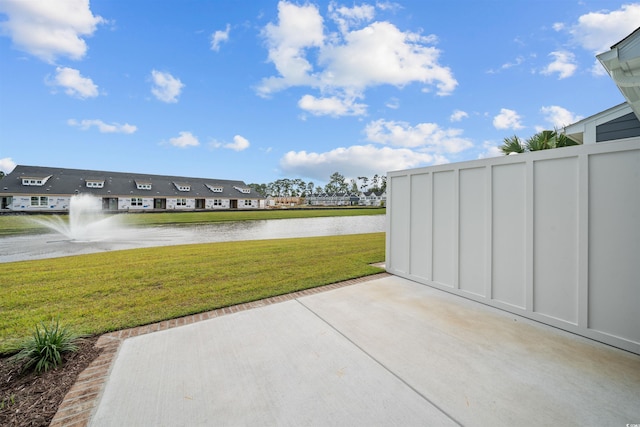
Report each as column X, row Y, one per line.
column 53, row 245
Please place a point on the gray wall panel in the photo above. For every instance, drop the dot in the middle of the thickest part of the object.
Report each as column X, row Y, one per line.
column 420, row 256
column 399, row 222
column 443, row 227
column 508, row 224
column 555, row 259
column 473, row 232
column 614, row 243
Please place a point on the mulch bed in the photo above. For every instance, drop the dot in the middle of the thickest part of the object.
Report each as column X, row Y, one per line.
column 29, row 399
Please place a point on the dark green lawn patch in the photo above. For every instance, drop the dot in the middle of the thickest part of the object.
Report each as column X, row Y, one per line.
column 97, row 293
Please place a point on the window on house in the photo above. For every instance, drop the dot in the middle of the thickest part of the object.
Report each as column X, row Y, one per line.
column 215, row 188
column 247, row 202
column 35, row 181
column 39, row 201
column 242, row 190
column 95, row 184
column 217, row 202
column 181, row 202
column 136, row 201
column 182, row 187
column 143, row 186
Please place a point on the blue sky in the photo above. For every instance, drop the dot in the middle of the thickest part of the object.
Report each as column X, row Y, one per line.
column 263, row 90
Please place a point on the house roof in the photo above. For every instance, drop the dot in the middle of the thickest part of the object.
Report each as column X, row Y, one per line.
column 584, row 130
column 118, row 184
column 622, row 63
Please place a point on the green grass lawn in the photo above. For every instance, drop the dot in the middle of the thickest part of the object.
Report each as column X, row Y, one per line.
column 103, row 292
column 19, row 224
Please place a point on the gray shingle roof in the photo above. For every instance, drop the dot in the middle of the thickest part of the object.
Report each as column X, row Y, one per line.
column 118, row 184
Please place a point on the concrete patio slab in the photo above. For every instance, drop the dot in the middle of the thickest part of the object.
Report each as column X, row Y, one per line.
column 385, row 352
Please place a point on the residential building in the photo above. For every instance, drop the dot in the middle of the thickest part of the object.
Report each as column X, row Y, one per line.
column 40, row 189
column 622, row 62
column 368, row 198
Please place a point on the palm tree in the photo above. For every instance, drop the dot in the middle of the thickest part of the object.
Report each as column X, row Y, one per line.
column 544, row 140
column 563, row 140
column 512, row 145
column 541, row 141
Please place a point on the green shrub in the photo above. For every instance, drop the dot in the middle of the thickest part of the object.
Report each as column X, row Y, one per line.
column 45, row 348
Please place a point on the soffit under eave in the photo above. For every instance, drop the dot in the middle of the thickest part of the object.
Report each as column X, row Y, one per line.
column 625, row 74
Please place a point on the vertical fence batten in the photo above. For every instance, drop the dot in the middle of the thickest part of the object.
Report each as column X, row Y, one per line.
column 552, row 235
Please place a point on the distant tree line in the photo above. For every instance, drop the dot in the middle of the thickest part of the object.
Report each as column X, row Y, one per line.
column 286, row 187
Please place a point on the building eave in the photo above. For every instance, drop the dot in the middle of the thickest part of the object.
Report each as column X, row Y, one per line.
column 622, row 63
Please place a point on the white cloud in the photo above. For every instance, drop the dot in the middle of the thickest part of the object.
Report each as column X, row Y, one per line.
column 507, row 119
column 427, row 136
column 559, row 117
column 331, row 106
column 185, row 139
column 357, row 160
column 299, row 28
column 598, row 31
column 102, row 126
column 166, row 88
column 518, row 61
column 346, row 17
column 73, row 83
column 458, row 115
column 239, row 143
column 490, row 150
column 393, row 103
column 219, row 37
column 382, row 54
column 352, row 61
column 49, row 29
column 7, row 164
column 563, row 64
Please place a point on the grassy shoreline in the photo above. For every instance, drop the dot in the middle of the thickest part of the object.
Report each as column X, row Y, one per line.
column 21, row 223
column 102, row 292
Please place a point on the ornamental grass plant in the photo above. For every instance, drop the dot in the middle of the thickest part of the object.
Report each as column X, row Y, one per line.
column 44, row 349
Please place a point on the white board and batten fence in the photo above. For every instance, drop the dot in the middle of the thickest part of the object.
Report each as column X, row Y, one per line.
column 552, row 235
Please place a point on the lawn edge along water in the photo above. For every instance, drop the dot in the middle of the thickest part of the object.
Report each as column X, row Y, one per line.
column 103, row 292
column 12, row 224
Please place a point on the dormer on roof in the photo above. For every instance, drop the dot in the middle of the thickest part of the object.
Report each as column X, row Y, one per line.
column 215, row 188
column 35, row 180
column 243, row 190
column 182, row 186
column 94, row 182
column 143, row 184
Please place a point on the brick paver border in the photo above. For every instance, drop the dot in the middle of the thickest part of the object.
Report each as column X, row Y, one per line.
column 81, row 400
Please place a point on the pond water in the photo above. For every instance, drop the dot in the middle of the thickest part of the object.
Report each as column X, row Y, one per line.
column 52, row 245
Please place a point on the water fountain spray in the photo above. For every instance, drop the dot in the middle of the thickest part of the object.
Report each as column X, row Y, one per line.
column 87, row 222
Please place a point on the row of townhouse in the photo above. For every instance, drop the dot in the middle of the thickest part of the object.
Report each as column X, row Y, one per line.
column 39, row 189
column 368, row 198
